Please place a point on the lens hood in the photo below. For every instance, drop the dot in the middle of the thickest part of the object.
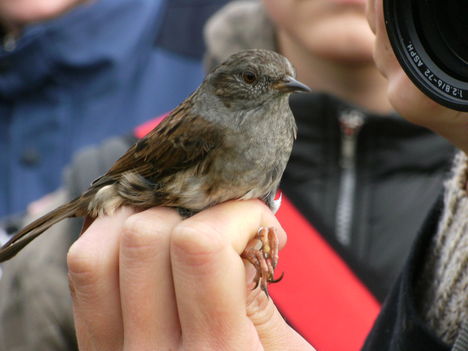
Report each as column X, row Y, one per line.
column 430, row 40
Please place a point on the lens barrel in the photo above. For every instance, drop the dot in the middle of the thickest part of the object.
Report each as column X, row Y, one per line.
column 430, row 40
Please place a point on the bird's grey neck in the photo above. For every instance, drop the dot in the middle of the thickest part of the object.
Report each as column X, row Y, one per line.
column 241, row 118
column 206, row 104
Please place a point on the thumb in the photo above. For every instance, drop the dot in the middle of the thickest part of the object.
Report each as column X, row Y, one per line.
column 274, row 333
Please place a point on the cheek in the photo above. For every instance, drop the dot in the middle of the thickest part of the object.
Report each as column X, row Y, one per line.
column 370, row 12
column 397, row 84
column 323, row 28
column 384, row 57
column 409, row 101
column 344, row 37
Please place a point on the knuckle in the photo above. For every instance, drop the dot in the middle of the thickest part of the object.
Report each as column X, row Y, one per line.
column 259, row 307
column 142, row 235
column 197, row 241
column 147, row 234
column 82, row 265
column 138, row 232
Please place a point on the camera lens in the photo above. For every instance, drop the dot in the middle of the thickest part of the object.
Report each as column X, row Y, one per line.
column 430, row 40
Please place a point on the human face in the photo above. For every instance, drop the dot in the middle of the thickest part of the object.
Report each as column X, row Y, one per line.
column 332, row 29
column 403, row 95
column 408, row 100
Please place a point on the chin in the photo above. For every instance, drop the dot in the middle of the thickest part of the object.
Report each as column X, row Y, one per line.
column 341, row 38
column 343, row 51
column 354, row 61
column 347, row 56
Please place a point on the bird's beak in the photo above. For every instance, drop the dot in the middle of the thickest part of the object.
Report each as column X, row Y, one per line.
column 289, row 85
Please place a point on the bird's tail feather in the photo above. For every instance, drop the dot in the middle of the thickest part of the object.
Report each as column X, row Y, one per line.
column 37, row 227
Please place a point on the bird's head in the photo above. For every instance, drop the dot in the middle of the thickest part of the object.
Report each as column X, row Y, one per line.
column 251, row 78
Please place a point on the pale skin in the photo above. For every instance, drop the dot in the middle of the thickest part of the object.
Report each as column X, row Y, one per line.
column 409, row 101
column 152, row 281
column 331, row 45
column 15, row 14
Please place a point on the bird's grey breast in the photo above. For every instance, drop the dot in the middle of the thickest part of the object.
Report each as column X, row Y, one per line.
column 260, row 145
column 250, row 162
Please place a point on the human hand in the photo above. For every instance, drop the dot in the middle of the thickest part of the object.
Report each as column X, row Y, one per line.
column 14, row 14
column 405, row 97
column 151, row 280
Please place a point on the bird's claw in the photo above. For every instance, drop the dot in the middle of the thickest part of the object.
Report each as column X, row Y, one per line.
column 265, row 258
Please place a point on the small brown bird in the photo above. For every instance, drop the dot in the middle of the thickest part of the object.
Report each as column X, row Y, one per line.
column 231, row 139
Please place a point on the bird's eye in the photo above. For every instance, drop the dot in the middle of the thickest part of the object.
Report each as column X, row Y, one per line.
column 249, row 77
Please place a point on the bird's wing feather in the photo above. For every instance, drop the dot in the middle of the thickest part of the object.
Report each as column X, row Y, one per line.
column 168, row 148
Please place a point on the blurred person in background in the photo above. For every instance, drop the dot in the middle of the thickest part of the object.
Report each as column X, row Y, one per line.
column 73, row 72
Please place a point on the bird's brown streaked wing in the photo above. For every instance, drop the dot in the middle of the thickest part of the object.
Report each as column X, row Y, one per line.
column 168, row 148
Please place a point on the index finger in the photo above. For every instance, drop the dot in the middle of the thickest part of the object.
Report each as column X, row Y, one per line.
column 235, row 221
column 209, row 274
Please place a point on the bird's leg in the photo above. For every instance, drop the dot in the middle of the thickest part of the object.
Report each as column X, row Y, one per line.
column 264, row 258
column 185, row 213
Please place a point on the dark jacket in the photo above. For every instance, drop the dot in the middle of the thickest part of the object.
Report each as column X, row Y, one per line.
column 400, row 325
column 399, row 319
column 366, row 182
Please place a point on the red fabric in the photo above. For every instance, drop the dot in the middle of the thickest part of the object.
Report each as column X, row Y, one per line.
column 145, row 128
column 319, row 295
